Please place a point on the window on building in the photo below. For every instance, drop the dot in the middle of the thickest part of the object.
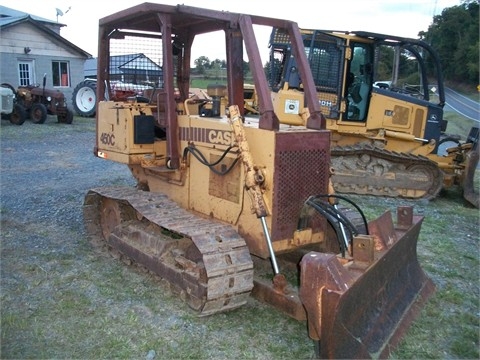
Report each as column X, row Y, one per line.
column 25, row 73
column 60, row 73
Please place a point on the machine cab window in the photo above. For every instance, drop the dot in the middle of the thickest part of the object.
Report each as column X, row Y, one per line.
column 359, row 82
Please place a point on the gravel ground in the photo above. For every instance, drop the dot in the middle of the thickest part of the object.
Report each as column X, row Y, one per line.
column 46, row 172
column 61, row 298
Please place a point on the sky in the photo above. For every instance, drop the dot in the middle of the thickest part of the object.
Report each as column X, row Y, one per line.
column 398, row 17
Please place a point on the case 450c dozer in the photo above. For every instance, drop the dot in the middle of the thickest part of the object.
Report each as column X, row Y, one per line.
column 388, row 137
column 228, row 206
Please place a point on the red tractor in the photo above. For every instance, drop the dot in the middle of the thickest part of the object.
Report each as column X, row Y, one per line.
column 38, row 102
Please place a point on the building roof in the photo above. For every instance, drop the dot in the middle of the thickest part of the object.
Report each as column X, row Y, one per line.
column 130, row 64
column 11, row 17
column 8, row 15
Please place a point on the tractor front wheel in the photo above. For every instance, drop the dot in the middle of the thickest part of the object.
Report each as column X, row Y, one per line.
column 66, row 118
column 38, row 113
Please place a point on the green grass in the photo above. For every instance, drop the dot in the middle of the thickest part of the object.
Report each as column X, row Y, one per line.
column 96, row 307
column 458, row 125
column 204, row 83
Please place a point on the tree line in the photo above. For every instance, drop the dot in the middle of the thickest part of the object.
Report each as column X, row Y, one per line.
column 454, row 34
column 213, row 69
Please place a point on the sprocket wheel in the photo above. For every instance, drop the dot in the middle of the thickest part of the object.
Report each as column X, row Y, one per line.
column 431, row 179
column 110, row 216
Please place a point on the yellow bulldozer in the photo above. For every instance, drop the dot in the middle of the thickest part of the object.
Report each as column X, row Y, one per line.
column 230, row 205
column 383, row 99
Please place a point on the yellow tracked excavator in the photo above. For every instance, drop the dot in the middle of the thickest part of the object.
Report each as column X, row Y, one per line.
column 230, row 205
column 383, row 99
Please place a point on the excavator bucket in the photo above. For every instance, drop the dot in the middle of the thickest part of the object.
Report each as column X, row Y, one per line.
column 472, row 156
column 362, row 310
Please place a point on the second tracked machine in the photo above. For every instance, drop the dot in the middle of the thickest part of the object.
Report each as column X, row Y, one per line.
column 383, row 99
column 230, row 206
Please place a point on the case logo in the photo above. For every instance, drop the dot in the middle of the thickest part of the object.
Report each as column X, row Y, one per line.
column 220, row 137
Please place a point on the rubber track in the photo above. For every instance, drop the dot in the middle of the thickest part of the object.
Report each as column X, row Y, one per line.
column 227, row 261
column 395, row 158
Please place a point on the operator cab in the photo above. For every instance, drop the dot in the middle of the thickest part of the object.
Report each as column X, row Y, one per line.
column 362, row 76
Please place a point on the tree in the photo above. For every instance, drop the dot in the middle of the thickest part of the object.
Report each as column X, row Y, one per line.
column 218, row 64
column 202, row 64
column 216, row 67
column 455, row 36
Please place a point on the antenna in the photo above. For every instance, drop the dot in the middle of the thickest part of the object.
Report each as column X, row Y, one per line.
column 59, row 13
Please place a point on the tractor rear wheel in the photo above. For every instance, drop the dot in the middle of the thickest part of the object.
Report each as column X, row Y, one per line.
column 18, row 115
column 84, row 98
column 8, row 86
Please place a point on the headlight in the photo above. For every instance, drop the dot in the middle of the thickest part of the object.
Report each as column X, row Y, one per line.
column 49, row 98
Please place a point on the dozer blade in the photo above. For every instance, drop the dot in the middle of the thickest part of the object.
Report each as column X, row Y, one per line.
column 363, row 308
column 469, row 193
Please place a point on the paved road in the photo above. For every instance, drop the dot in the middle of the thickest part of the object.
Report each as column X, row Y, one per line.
column 463, row 105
